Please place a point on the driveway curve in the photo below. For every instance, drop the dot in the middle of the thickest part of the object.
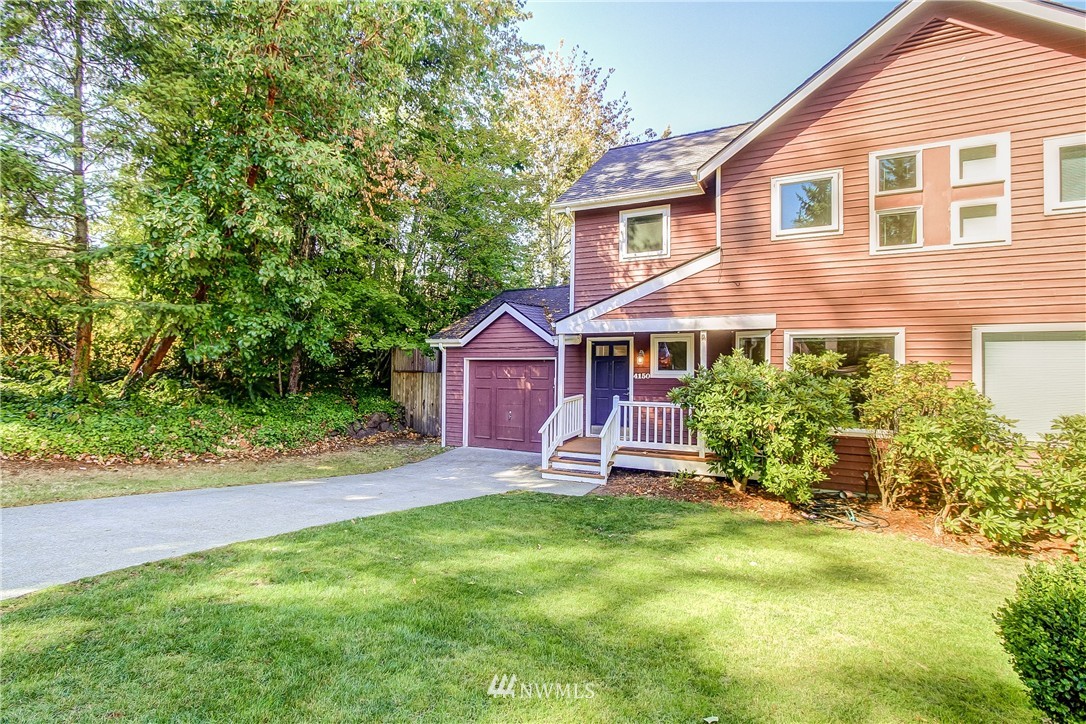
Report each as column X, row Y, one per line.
column 43, row 545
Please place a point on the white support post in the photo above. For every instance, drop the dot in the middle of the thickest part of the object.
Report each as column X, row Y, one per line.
column 704, row 349
column 560, row 372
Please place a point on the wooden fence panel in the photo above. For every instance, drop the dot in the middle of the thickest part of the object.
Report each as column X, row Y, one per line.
column 416, row 384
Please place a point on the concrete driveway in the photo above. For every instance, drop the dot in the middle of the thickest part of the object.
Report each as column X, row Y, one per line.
column 60, row 542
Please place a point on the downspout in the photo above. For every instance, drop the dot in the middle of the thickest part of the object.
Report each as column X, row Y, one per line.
column 572, row 252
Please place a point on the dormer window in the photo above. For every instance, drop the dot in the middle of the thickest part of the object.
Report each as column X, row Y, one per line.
column 645, row 233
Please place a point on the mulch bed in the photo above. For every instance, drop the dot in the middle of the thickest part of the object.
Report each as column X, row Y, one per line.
column 915, row 524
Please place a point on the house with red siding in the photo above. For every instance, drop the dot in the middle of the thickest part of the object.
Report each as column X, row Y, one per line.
column 923, row 195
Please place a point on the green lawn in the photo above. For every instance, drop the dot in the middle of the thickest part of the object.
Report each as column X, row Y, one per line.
column 28, row 484
column 672, row 611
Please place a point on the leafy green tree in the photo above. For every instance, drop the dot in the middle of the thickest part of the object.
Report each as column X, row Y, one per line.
column 289, row 142
column 561, row 113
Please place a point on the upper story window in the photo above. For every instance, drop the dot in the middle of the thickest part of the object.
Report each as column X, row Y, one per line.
column 980, row 160
column 984, row 221
column 1065, row 174
column 899, row 172
column 807, row 204
column 645, row 233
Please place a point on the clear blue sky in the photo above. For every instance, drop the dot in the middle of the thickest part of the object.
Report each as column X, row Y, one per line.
column 703, row 65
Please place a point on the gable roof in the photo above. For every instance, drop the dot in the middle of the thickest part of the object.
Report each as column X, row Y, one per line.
column 1043, row 10
column 664, row 167
column 537, row 307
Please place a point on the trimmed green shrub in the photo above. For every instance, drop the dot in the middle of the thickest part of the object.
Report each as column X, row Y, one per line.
column 767, row 423
column 1044, row 630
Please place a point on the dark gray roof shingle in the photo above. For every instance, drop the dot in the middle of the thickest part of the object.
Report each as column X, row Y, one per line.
column 542, row 305
column 649, row 166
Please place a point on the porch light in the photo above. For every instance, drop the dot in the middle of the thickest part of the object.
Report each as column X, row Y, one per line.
column 640, row 358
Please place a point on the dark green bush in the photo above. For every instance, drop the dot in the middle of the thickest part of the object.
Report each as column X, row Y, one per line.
column 767, row 423
column 1044, row 631
column 171, row 420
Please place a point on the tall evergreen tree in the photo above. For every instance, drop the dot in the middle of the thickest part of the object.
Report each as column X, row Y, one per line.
column 62, row 131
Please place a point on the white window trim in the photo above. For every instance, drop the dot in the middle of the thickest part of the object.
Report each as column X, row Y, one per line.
column 654, row 351
column 1003, row 220
column 980, row 330
column 623, row 216
column 897, row 153
column 1052, row 169
column 836, row 227
column 759, row 333
column 1002, row 142
column 897, row 332
column 876, row 238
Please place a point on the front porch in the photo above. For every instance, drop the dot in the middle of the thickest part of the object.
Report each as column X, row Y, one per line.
column 639, row 435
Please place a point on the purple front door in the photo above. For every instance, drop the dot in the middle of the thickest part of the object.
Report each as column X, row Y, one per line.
column 509, row 401
column 610, row 377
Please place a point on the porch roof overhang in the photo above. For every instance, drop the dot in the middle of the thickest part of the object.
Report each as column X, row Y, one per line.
column 669, row 324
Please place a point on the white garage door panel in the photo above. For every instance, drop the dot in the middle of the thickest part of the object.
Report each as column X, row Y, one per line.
column 1034, row 377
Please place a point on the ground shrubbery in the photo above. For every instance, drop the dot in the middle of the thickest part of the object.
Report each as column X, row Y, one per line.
column 1044, row 631
column 936, row 445
column 167, row 420
column 767, row 423
column 945, row 446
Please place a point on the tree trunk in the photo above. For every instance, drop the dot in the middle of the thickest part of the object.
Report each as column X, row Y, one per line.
column 81, row 359
column 294, row 383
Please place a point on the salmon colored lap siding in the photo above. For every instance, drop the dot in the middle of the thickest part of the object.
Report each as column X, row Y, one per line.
column 598, row 273
column 505, row 338
column 986, row 84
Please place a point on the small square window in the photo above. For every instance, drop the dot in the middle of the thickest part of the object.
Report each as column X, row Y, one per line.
column 644, row 233
column 753, row 345
column 899, row 229
column 1065, row 174
column 672, row 355
column 807, row 204
column 900, row 172
column 980, row 160
column 979, row 222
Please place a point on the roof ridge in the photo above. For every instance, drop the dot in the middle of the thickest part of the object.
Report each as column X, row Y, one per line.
column 680, row 135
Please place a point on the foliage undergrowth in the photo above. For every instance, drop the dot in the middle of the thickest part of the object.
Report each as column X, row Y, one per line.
column 168, row 420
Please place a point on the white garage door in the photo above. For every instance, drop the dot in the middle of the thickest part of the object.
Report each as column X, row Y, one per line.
column 1034, row 377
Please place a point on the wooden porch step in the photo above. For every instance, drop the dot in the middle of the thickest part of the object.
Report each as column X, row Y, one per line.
column 584, row 477
column 581, row 446
column 561, row 462
column 671, row 454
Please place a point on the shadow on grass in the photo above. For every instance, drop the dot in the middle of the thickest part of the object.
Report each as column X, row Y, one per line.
column 672, row 612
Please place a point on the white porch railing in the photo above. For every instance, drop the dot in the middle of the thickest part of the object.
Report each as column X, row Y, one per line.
column 609, row 436
column 565, row 422
column 656, row 426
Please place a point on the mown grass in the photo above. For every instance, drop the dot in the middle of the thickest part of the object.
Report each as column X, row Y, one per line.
column 29, row 484
column 673, row 611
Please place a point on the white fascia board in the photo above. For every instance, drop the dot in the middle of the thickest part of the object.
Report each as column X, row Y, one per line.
column 1064, row 17
column 512, row 312
column 572, row 324
column 680, row 324
column 637, row 197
